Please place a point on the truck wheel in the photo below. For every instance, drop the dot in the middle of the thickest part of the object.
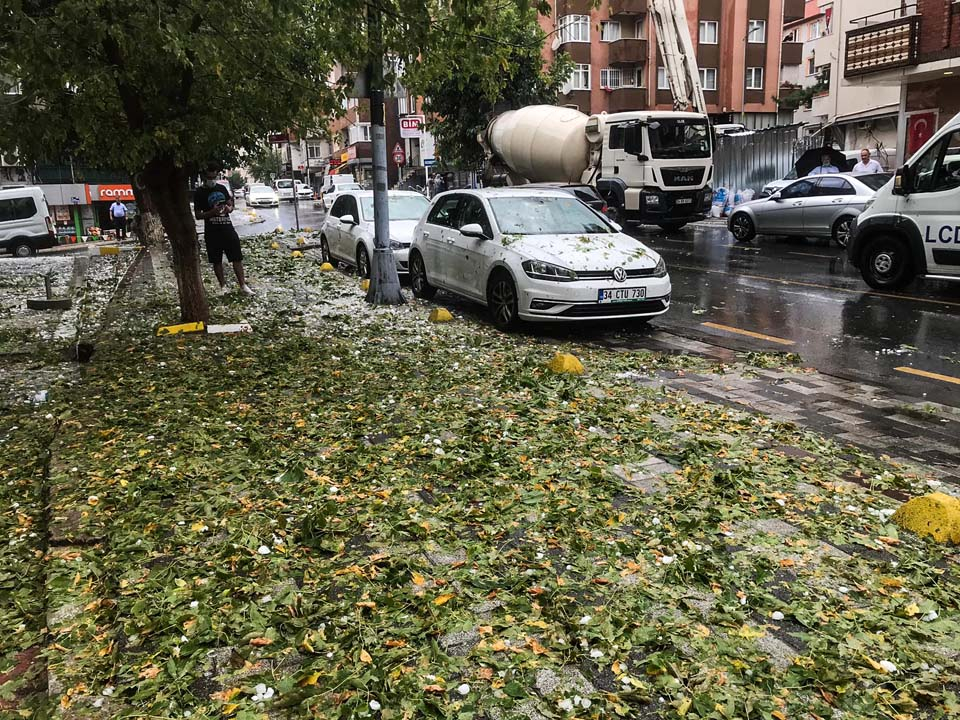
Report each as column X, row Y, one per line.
column 671, row 227
column 418, row 278
column 502, row 300
column 742, row 227
column 841, row 231
column 23, row 249
column 886, row 263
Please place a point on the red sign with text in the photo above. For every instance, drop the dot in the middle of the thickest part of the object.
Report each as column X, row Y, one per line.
column 115, row 192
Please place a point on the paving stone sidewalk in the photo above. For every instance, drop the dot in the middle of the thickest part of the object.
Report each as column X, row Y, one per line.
column 864, row 415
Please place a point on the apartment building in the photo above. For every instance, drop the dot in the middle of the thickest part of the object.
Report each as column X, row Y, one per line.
column 916, row 49
column 618, row 66
column 813, row 77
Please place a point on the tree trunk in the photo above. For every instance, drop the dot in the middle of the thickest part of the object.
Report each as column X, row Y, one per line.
column 149, row 227
column 166, row 184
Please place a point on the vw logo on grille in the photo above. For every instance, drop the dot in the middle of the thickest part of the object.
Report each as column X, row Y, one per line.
column 619, row 274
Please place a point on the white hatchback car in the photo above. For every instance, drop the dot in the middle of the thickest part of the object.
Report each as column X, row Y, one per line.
column 347, row 230
column 535, row 255
column 262, row 196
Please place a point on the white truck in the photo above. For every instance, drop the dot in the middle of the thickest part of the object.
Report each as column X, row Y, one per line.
column 651, row 167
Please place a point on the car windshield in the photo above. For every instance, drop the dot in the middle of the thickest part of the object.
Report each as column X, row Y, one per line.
column 401, row 207
column 679, row 138
column 259, row 188
column 546, row 216
column 875, row 182
column 284, row 183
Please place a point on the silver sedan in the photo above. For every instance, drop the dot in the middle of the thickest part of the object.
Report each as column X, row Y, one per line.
column 815, row 206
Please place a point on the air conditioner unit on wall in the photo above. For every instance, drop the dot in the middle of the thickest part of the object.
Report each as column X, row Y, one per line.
column 9, row 159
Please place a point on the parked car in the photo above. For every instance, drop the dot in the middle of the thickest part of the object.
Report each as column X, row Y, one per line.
column 284, row 188
column 586, row 194
column 262, row 196
column 304, row 191
column 852, row 157
column 25, row 222
column 347, row 231
column 821, row 206
column 535, row 254
column 329, row 196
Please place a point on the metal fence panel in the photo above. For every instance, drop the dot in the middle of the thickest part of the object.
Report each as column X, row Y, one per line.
column 752, row 160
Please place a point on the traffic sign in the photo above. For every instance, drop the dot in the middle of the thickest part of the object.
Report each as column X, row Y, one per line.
column 429, row 162
column 411, row 126
column 399, row 156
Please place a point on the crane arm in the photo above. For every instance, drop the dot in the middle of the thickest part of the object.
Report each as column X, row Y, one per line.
column 679, row 57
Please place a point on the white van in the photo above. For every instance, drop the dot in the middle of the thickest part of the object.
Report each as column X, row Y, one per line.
column 284, row 189
column 25, row 222
column 912, row 227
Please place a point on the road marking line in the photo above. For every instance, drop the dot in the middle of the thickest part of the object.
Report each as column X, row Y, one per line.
column 828, row 257
column 930, row 375
column 748, row 333
column 818, row 285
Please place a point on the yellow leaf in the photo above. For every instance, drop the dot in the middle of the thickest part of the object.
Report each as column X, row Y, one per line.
column 310, row 679
column 911, row 609
column 498, row 646
column 198, row 526
column 873, row 663
column 419, row 579
column 225, row 695
column 261, row 641
column 778, row 715
column 443, row 599
column 365, row 657
column 749, row 633
column 230, row 709
column 684, row 707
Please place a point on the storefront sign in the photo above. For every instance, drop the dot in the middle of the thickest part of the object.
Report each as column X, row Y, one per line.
column 345, row 157
column 352, row 152
column 124, row 193
column 410, row 126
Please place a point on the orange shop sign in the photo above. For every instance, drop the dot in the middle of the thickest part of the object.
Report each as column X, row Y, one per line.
column 115, row 192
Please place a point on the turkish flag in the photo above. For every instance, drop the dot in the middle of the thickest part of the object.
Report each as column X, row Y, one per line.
column 920, row 128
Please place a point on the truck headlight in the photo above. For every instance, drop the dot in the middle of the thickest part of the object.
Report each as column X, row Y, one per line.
column 661, row 269
column 540, row 270
column 651, row 200
column 708, row 197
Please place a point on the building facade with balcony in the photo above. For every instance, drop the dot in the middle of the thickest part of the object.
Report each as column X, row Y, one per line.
column 618, row 67
column 914, row 48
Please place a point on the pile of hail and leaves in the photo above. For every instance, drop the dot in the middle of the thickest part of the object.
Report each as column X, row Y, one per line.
column 352, row 512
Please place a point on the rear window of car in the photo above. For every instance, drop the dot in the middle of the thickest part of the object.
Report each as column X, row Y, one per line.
column 17, row 209
column 875, row 182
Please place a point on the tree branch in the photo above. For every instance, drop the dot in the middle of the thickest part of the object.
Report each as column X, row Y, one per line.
column 132, row 106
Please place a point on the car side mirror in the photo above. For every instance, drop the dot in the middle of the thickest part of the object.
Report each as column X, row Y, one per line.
column 776, row 197
column 473, row 230
column 348, row 219
column 903, row 181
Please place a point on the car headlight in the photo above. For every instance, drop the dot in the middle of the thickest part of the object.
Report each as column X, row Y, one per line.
column 397, row 245
column 540, row 270
column 653, row 200
column 661, row 269
column 868, row 203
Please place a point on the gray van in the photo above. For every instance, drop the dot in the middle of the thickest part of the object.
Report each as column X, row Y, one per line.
column 25, row 222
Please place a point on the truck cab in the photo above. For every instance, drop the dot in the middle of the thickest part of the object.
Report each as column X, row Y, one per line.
column 912, row 227
column 654, row 167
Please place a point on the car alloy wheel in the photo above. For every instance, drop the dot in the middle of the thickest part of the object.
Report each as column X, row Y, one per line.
column 325, row 250
column 502, row 300
column 418, row 278
column 841, row 232
column 363, row 262
column 742, row 227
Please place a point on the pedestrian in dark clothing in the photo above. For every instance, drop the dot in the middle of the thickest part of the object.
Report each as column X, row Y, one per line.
column 213, row 204
column 118, row 214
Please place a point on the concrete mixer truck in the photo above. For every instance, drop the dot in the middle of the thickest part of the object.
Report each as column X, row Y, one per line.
column 651, row 167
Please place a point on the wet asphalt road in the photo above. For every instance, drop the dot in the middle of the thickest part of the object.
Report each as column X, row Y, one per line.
column 798, row 291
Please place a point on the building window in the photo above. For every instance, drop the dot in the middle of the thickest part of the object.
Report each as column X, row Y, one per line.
column 640, row 30
column 609, row 31
column 580, row 77
column 316, row 150
column 757, row 31
column 815, row 30
column 574, row 28
column 811, row 65
column 402, row 106
column 755, row 78
column 612, row 78
column 709, row 32
column 823, row 78
column 708, row 78
column 662, row 83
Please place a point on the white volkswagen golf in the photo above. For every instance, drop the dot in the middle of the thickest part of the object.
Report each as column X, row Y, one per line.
column 535, row 255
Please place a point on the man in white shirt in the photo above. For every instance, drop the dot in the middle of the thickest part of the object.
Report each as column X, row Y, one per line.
column 118, row 213
column 866, row 166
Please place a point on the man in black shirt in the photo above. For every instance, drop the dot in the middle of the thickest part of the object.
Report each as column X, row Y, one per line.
column 213, row 204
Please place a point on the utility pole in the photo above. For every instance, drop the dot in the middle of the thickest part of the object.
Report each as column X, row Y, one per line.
column 293, row 179
column 384, row 281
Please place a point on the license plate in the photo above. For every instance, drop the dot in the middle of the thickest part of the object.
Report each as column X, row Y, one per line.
column 684, row 201
column 613, row 295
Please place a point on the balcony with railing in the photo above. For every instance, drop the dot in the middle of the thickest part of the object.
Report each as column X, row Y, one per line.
column 626, row 98
column 628, row 7
column 883, row 41
column 792, row 10
column 791, row 53
column 627, row 51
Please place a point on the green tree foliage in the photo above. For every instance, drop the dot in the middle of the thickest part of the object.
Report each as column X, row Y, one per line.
column 263, row 163
column 463, row 97
column 157, row 87
column 236, row 180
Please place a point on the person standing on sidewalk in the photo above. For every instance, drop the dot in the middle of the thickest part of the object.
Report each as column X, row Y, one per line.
column 866, row 166
column 213, row 204
column 118, row 214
